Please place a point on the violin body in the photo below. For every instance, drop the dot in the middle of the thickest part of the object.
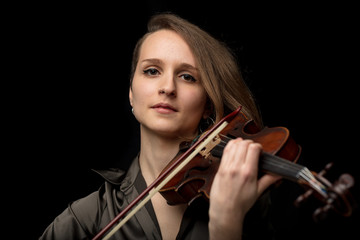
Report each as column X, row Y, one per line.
column 196, row 179
column 280, row 154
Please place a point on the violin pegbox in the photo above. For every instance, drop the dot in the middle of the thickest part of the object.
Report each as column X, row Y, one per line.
column 338, row 196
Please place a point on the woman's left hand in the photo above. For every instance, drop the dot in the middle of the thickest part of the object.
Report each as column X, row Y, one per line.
column 236, row 188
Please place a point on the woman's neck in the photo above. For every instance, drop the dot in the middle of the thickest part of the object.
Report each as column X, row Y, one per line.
column 155, row 153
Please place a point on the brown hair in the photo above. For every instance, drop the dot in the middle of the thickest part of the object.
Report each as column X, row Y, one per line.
column 219, row 72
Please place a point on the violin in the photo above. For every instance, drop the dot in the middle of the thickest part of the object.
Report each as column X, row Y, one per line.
column 189, row 175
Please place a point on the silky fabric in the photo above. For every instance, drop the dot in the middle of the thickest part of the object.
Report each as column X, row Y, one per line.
column 84, row 218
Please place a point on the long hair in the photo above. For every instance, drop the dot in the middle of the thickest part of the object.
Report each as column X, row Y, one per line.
column 219, row 71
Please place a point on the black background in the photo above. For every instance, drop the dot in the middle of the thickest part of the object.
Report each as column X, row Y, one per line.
column 68, row 110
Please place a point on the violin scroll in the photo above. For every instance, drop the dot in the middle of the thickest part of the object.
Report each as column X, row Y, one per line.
column 338, row 197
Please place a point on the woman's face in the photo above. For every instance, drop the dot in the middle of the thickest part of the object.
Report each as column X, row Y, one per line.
column 166, row 93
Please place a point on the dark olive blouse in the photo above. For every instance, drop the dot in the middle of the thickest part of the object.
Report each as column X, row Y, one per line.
column 84, row 218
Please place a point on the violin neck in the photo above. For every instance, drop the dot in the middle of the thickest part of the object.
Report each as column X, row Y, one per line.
column 269, row 163
column 273, row 164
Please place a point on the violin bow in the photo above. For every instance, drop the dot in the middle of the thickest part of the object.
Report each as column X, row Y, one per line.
column 165, row 177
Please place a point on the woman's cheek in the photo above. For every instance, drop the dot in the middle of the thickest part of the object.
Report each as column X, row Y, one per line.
column 142, row 91
column 196, row 101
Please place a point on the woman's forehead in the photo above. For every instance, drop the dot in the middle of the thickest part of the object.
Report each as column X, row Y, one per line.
column 166, row 45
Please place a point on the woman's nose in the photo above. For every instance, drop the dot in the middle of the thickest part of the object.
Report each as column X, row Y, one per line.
column 168, row 86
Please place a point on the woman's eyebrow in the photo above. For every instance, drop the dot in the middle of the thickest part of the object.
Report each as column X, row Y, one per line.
column 159, row 62
column 152, row 60
column 188, row 67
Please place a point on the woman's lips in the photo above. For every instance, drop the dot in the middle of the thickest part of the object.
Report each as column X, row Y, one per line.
column 164, row 108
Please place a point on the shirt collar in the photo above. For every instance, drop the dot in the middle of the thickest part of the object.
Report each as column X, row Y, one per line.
column 118, row 177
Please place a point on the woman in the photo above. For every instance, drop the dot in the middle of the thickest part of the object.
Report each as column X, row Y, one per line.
column 181, row 78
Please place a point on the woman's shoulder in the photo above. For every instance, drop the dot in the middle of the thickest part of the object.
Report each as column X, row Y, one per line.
column 79, row 219
column 87, row 215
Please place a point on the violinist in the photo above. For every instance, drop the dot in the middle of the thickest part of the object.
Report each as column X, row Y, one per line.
column 182, row 82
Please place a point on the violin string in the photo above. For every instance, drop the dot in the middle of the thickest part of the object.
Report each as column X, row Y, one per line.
column 274, row 163
column 297, row 170
column 271, row 159
column 306, row 175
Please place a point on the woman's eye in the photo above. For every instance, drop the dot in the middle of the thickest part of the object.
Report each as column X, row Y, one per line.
column 188, row 78
column 151, row 71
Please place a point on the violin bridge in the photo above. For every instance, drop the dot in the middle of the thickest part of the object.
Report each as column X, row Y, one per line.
column 205, row 152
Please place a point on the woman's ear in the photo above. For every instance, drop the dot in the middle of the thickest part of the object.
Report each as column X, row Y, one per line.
column 130, row 96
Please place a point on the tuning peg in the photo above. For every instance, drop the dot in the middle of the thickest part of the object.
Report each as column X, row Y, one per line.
column 322, row 213
column 300, row 200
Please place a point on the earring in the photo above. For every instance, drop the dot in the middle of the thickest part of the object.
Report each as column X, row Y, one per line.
column 132, row 110
column 205, row 124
